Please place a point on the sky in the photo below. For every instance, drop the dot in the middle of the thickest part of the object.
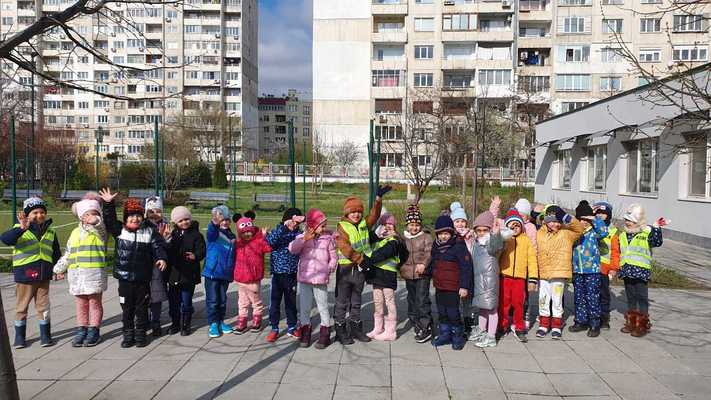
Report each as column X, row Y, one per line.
column 284, row 46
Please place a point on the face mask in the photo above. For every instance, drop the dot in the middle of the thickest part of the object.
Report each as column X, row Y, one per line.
column 484, row 239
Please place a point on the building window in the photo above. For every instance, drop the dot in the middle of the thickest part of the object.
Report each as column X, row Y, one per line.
column 424, row 24
column 423, row 80
column 532, row 5
column 611, row 26
column 650, row 1
column 699, row 165
column 572, row 82
column 610, row 55
column 388, row 132
column 458, row 22
column 575, row 3
column 596, row 168
column 689, row 53
column 613, row 2
column 688, row 23
column 650, row 55
column 495, row 25
column 642, row 166
column 461, row 80
column 564, row 160
column 391, row 160
column 573, row 54
column 574, row 25
column 497, row 77
column 387, row 78
column 534, row 84
column 424, row 52
column 568, row 106
column 647, row 25
column 388, row 106
column 610, row 83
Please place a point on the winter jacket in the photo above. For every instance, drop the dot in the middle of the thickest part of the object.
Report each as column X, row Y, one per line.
column 249, row 258
column 184, row 271
column 219, row 263
column 159, row 279
column 612, row 241
column 317, row 258
column 420, row 249
column 450, row 266
column 518, row 259
column 82, row 279
column 586, row 254
column 632, row 271
column 343, row 243
column 137, row 251
column 37, row 271
column 389, row 249
column 281, row 260
column 486, row 272
column 555, row 250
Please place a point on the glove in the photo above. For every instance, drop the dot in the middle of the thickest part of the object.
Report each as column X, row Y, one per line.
column 365, row 265
column 560, row 215
column 383, row 190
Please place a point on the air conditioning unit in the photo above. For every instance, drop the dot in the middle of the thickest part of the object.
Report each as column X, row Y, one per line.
column 236, row 38
column 506, row 3
column 448, row 2
column 216, row 82
column 62, row 36
column 86, row 125
column 113, row 50
column 141, row 49
column 113, row 34
column 168, row 20
column 217, row 36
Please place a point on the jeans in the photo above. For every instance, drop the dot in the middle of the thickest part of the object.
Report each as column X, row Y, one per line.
column 180, row 299
column 448, row 307
column 637, row 292
column 216, row 299
column 307, row 294
column 419, row 306
column 283, row 285
column 134, row 298
column 349, row 293
column 587, row 299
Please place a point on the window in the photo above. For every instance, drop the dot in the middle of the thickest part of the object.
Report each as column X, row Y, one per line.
column 688, row 23
column 611, row 26
column 424, row 24
column 610, row 83
column 596, row 164
column 422, row 107
column 575, row 2
column 133, row 43
column 391, row 160
column 573, row 53
column 574, row 25
column 494, row 77
column 613, row 2
column 458, row 22
column 424, row 52
column 647, row 25
column 388, row 106
column 83, row 104
column 650, row 55
column 689, row 53
column 642, row 166
column 534, row 84
column 495, row 25
column 388, row 132
column 423, row 80
column 7, row 21
column 102, row 119
column 564, row 162
column 460, row 80
column 532, row 5
column 699, row 165
column 568, row 106
column 387, row 78
column 610, row 55
column 423, row 1
column 572, row 82
column 650, row 1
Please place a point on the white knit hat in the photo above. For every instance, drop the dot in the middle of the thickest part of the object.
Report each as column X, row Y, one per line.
column 154, row 203
column 86, row 205
column 523, row 206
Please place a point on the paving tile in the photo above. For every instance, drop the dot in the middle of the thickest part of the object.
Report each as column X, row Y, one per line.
column 514, row 362
column 366, row 353
column 188, row 390
column 343, row 392
column 29, row 388
column 579, row 385
column 419, row 382
column 686, row 386
column 169, row 351
column 637, row 386
column 304, row 391
column 247, row 390
column 364, row 375
column 470, row 357
column 99, row 370
column 205, row 370
column 458, row 394
column 311, row 355
column 464, row 379
column 563, row 365
column 120, row 390
column 258, row 371
column 656, row 366
column 47, row 369
column 523, row 396
column 525, row 382
column 79, row 390
column 298, row 372
column 616, row 363
column 152, row 370
column 405, row 351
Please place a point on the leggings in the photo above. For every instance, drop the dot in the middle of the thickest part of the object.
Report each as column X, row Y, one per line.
column 307, row 294
column 489, row 320
column 637, row 292
column 384, row 297
column 90, row 311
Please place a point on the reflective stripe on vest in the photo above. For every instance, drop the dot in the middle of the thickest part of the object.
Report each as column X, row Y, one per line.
column 637, row 252
column 606, row 246
column 391, row 263
column 358, row 237
column 88, row 251
column 28, row 249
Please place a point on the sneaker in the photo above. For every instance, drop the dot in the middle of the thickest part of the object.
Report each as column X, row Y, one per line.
column 294, row 332
column 241, row 326
column 225, row 328
column 272, row 336
column 521, row 336
column 486, row 341
column 214, row 331
column 423, row 335
column 541, row 332
column 476, row 334
column 576, row 327
column 556, row 334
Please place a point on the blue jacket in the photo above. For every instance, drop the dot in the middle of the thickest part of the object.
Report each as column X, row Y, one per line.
column 281, row 260
column 219, row 262
column 586, row 252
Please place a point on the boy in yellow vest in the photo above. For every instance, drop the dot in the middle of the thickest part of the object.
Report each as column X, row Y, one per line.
column 352, row 243
column 36, row 250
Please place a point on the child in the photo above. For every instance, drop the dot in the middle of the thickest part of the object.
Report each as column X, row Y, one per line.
column 35, row 251
column 159, row 280
column 317, row 260
column 86, row 262
column 636, row 243
column 219, row 270
column 419, row 247
column 460, row 221
column 352, row 243
column 381, row 271
column 250, row 249
column 523, row 206
column 609, row 260
column 485, row 256
column 139, row 248
column 451, row 270
column 187, row 249
column 555, row 242
column 284, row 266
column 518, row 264
column 586, row 271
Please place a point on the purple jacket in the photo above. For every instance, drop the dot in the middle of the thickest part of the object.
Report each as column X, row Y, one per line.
column 317, row 258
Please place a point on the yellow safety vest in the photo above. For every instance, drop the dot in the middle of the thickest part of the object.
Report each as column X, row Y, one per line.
column 359, row 239
column 28, row 249
column 637, row 252
column 391, row 263
column 606, row 246
column 86, row 252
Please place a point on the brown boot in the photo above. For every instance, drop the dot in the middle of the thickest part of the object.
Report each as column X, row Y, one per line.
column 630, row 321
column 642, row 326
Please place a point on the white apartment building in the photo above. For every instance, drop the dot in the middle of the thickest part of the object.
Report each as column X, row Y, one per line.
column 274, row 116
column 370, row 56
column 181, row 60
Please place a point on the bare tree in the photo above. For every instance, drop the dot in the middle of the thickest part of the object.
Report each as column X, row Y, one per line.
column 345, row 154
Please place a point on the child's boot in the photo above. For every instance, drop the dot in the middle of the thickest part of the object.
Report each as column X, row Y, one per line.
column 93, row 337
column 214, row 331
column 241, row 326
column 79, row 336
column 225, row 328
column 630, row 321
column 342, row 334
column 556, row 328
column 20, row 334
column 356, row 328
column 156, row 329
column 305, row 340
column 256, row 323
column 445, row 335
column 185, row 326
column 128, row 338
column 141, row 339
column 377, row 326
column 174, row 326
column 324, row 337
column 577, row 327
column 45, row 329
column 390, row 332
column 605, row 322
column 642, row 325
column 458, row 337
column 468, row 325
column 544, row 324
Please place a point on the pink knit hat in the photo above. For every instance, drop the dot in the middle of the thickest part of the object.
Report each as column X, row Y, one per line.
column 180, row 213
column 387, row 218
column 484, row 219
column 314, row 218
column 82, row 207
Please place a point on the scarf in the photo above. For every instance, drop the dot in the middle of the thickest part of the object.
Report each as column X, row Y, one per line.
column 442, row 247
column 407, row 234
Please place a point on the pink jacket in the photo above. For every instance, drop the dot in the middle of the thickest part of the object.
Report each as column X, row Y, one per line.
column 317, row 258
column 249, row 259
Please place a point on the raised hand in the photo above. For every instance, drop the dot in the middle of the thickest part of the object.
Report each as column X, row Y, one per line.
column 107, row 196
column 309, row 234
column 495, row 205
column 496, row 228
column 383, row 190
column 539, row 208
column 661, row 221
column 23, row 221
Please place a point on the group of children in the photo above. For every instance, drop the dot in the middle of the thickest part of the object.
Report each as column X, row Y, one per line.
column 493, row 266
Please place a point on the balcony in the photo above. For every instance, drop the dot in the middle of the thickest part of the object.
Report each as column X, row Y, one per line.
column 397, row 63
column 389, row 7
column 459, row 36
column 495, row 36
column 496, row 6
column 535, row 15
column 535, row 42
column 459, row 6
column 459, row 63
column 390, row 36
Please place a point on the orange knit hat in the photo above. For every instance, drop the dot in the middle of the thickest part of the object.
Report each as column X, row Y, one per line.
column 353, row 204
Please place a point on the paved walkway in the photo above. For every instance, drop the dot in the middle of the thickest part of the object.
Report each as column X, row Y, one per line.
column 691, row 261
column 674, row 362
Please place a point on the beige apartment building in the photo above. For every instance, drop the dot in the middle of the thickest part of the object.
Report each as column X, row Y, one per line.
column 372, row 57
column 274, row 116
column 185, row 60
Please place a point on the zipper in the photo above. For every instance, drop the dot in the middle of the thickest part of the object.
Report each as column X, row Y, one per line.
column 515, row 251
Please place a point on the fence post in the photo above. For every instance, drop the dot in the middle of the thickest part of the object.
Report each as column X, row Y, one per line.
column 13, row 168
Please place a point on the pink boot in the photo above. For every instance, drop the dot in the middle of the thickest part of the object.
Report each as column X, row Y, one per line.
column 377, row 326
column 389, row 334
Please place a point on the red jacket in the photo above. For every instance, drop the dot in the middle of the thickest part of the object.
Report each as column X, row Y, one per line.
column 249, row 258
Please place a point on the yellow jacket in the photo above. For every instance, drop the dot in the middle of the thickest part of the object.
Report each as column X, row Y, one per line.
column 518, row 260
column 555, row 250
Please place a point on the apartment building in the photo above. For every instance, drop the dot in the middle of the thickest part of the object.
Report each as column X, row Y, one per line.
column 172, row 62
column 372, row 57
column 274, row 116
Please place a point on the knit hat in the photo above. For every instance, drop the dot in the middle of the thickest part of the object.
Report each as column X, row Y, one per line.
column 513, row 216
column 314, row 218
column 244, row 224
column 180, row 213
column 289, row 213
column 583, row 210
column 444, row 223
column 456, row 211
column 82, row 207
column 635, row 214
column 413, row 215
column 484, row 219
column 154, row 203
column 523, row 206
column 132, row 207
column 603, row 207
column 32, row 203
column 353, row 204
column 387, row 218
column 222, row 209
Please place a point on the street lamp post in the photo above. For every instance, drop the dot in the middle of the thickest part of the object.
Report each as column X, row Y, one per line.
column 233, row 175
column 99, row 133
